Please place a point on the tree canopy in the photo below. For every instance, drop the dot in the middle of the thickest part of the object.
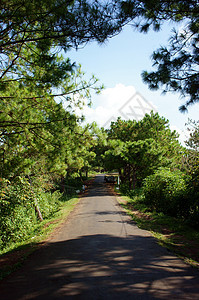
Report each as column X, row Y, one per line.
column 136, row 149
column 176, row 64
column 29, row 29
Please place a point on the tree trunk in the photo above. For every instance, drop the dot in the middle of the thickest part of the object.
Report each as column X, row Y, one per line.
column 39, row 214
column 129, row 177
column 134, row 178
column 121, row 175
column 62, row 184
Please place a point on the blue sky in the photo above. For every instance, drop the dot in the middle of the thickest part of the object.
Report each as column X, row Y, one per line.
column 118, row 64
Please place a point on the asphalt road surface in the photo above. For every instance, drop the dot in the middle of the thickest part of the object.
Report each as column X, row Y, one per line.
column 99, row 253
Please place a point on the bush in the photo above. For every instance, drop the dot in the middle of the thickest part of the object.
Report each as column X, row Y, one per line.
column 18, row 218
column 166, row 191
column 192, row 197
column 170, row 192
column 49, row 203
column 16, row 211
column 124, row 189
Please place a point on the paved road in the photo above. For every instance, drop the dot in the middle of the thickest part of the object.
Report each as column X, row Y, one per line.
column 99, row 253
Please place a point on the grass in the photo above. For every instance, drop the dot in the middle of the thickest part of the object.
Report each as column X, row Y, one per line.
column 170, row 232
column 13, row 256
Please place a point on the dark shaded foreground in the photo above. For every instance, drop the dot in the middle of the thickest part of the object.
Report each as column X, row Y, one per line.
column 115, row 270
column 100, row 254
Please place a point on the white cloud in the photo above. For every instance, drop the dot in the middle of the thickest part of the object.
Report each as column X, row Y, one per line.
column 113, row 102
column 99, row 115
column 114, row 98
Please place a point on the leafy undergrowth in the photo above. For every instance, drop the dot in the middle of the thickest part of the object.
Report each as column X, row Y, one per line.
column 12, row 257
column 170, row 232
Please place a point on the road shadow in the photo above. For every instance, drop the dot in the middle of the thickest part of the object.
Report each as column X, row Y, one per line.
column 102, row 266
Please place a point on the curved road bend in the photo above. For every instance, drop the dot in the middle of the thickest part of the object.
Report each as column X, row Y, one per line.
column 100, row 254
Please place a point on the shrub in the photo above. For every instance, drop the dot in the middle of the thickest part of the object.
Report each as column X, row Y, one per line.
column 166, row 191
column 124, row 189
column 49, row 203
column 18, row 219
column 17, row 213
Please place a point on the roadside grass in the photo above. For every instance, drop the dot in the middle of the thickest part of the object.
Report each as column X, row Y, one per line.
column 12, row 257
column 170, row 232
